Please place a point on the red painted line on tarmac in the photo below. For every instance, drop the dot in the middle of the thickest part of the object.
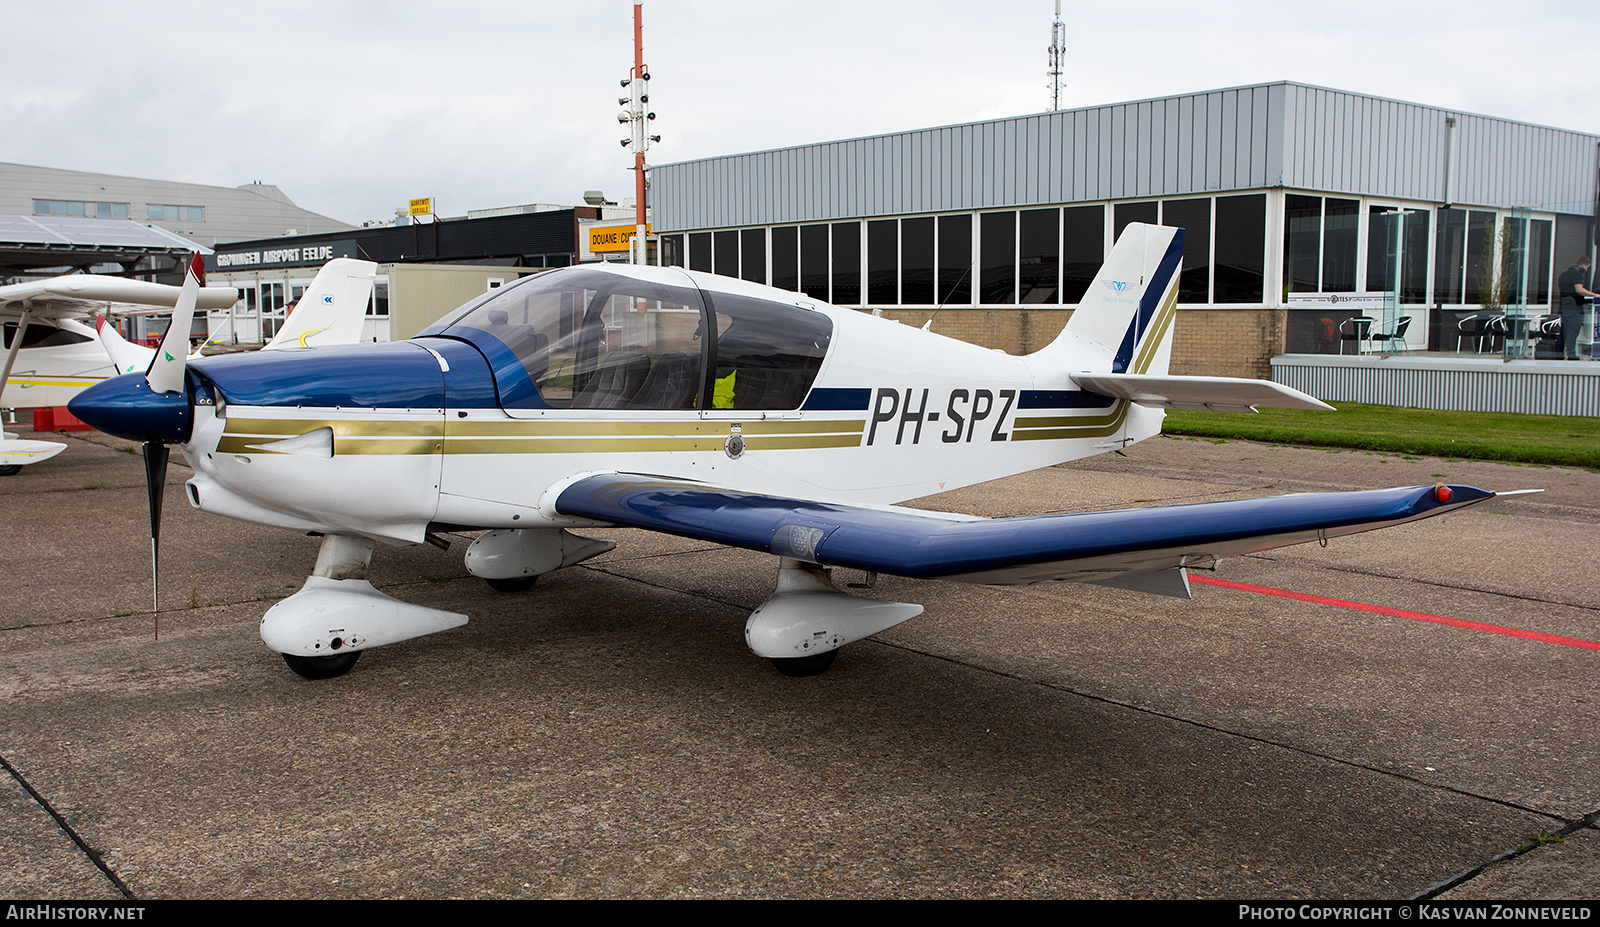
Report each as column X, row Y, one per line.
column 1401, row 613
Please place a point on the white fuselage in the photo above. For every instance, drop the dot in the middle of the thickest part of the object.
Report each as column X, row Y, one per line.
column 939, row 414
column 51, row 374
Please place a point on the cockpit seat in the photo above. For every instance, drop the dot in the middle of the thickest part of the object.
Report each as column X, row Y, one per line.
column 614, row 382
column 671, row 384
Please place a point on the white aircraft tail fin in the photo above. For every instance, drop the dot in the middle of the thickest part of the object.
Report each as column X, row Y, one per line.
column 126, row 357
column 1118, row 342
column 333, row 307
column 1124, row 322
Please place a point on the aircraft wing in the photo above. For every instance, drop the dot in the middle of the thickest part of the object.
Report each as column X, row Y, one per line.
column 1124, row 547
column 1216, row 394
column 81, row 294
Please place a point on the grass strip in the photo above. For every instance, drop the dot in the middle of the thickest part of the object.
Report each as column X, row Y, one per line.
column 1555, row 440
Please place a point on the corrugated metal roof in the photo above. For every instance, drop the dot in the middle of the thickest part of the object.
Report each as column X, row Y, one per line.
column 1268, row 135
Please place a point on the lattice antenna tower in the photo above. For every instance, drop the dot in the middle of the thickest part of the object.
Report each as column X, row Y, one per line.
column 1058, row 51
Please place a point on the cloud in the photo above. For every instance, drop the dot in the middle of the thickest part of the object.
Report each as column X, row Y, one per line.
column 353, row 108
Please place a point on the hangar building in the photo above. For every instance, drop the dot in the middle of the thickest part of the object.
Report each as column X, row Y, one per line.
column 1295, row 199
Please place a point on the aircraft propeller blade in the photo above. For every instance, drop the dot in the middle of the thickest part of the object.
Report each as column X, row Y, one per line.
column 166, row 368
column 166, row 375
column 156, row 455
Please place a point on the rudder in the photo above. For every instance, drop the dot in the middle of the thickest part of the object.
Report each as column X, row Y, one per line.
column 1125, row 318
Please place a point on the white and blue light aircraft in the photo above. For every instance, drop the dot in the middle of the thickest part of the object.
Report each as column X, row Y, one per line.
column 714, row 409
column 52, row 354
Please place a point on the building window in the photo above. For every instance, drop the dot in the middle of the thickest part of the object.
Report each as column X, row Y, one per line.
column 847, row 264
column 1526, row 265
column 672, row 250
column 78, row 208
column 1340, row 229
column 1194, row 217
column 1125, row 213
column 786, row 257
column 1386, row 224
column 1480, row 256
column 814, row 261
column 753, row 255
column 883, row 262
column 1039, row 250
column 1241, row 247
column 1083, row 249
column 1320, row 235
column 165, row 213
column 700, row 252
column 916, row 261
column 725, row 253
column 955, row 259
column 997, row 248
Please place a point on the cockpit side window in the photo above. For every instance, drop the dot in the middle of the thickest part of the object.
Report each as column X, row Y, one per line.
column 41, row 336
column 767, row 353
column 594, row 340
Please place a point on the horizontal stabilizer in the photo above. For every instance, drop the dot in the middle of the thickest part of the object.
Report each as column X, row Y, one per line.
column 1217, row 394
column 15, row 452
column 1081, row 547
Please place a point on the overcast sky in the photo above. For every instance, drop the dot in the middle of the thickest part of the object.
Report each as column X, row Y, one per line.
column 354, row 107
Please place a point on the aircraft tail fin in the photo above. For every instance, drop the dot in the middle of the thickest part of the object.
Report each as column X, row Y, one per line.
column 332, row 308
column 1123, row 324
column 126, row 357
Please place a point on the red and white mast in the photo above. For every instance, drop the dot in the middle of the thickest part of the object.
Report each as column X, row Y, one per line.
column 639, row 116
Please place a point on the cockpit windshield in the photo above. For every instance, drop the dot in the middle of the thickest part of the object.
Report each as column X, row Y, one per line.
column 595, row 339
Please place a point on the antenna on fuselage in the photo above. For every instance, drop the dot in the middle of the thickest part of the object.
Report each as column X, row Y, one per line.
column 928, row 325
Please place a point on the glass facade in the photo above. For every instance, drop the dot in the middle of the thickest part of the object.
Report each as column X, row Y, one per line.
column 1039, row 256
column 1437, row 279
column 1438, row 263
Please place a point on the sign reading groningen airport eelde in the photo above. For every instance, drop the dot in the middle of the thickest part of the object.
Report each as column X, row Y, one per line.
column 266, row 258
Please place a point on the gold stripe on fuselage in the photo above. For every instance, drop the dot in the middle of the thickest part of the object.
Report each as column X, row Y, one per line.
column 245, row 435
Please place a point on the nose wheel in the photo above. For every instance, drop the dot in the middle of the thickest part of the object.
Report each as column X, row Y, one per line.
column 322, row 667
column 513, row 584
column 801, row 667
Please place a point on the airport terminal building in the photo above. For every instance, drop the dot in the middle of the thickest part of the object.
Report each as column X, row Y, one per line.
column 1301, row 205
column 202, row 213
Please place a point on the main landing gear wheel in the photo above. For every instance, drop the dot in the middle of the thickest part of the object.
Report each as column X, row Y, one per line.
column 323, row 667
column 800, row 667
column 513, row 584
column 10, row 470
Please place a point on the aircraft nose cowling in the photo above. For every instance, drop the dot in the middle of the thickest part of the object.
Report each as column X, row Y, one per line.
column 126, row 407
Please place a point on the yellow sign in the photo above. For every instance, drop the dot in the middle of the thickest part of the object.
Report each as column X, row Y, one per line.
column 612, row 237
column 422, row 207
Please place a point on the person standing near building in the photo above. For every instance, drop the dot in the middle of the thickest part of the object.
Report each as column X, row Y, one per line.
column 1574, row 288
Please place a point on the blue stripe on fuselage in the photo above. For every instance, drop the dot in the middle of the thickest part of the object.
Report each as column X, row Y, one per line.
column 833, row 399
column 1062, row 399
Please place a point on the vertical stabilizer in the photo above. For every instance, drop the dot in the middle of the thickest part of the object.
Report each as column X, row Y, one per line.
column 333, row 307
column 126, row 357
column 1124, row 322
